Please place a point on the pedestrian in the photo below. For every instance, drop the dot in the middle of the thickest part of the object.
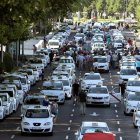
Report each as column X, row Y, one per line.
column 54, row 109
column 82, row 101
column 46, row 101
column 51, row 55
column 42, row 75
column 75, row 91
column 34, row 49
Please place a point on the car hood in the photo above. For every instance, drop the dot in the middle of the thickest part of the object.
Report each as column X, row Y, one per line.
column 97, row 95
column 133, row 103
column 52, row 92
column 92, row 82
column 133, row 88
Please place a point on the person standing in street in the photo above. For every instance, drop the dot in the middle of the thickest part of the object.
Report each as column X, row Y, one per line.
column 75, row 91
column 82, row 101
column 51, row 55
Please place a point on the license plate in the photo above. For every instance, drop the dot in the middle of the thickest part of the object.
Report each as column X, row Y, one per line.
column 36, row 128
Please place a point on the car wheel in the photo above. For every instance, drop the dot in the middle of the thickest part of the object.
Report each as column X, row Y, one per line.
column 107, row 71
column 126, row 114
column 23, row 133
column 108, row 105
column 135, row 125
column 87, row 105
column 51, row 133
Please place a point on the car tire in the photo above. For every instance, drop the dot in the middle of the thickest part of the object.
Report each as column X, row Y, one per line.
column 51, row 133
column 87, row 105
column 135, row 125
column 107, row 71
column 22, row 133
column 126, row 114
column 108, row 105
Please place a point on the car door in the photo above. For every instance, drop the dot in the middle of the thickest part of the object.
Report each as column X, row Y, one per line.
column 115, row 95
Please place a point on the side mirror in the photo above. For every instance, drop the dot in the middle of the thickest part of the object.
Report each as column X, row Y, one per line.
column 52, row 115
column 21, row 116
column 76, row 133
column 124, row 99
column 118, row 72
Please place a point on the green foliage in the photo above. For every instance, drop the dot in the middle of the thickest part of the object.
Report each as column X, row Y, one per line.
column 8, row 63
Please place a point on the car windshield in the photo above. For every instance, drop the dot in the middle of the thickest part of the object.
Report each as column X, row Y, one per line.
column 93, row 129
column 100, row 60
column 128, row 72
column 3, row 98
column 92, row 77
column 33, row 101
column 79, row 35
column 52, row 86
column 66, row 61
column 11, row 94
column 35, row 61
column 133, row 83
column 23, row 80
column 54, row 43
column 128, row 64
column 134, row 97
column 11, row 78
column 65, row 82
column 37, row 113
column 98, row 90
column 118, row 41
column 99, row 45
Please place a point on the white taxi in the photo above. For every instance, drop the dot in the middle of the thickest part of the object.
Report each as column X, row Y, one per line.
column 131, row 99
column 14, row 98
column 54, row 90
column 136, row 115
column 68, row 61
column 101, row 63
column 133, row 84
column 6, row 103
column 37, row 119
column 66, row 84
column 98, row 95
column 32, row 100
column 90, row 127
column 90, row 79
column 2, row 110
column 127, row 73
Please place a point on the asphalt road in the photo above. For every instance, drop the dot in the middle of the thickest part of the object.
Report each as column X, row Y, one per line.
column 69, row 118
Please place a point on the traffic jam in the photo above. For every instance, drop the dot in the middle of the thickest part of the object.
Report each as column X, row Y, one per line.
column 103, row 60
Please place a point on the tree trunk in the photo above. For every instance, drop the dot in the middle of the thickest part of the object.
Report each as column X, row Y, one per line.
column 17, row 47
column 23, row 51
column 1, row 53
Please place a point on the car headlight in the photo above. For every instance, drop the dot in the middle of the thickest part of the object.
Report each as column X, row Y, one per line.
column 47, row 123
column 61, row 94
column 106, row 97
column 89, row 97
column 26, row 123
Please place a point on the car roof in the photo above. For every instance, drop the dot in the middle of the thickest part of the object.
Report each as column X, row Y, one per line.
column 94, row 123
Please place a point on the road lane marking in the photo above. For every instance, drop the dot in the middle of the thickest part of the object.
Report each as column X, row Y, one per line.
column 115, row 105
column 73, row 110
column 71, row 115
column 73, row 104
column 13, row 136
column 18, row 128
column 118, row 122
column 119, row 129
column 116, row 111
column 120, row 138
column 111, row 82
column 67, row 137
column 70, row 121
column 112, row 86
column 117, row 116
column 68, row 128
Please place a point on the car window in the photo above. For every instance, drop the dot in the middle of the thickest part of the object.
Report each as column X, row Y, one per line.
column 33, row 101
column 37, row 113
column 92, row 77
column 128, row 72
column 133, row 83
column 98, row 90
